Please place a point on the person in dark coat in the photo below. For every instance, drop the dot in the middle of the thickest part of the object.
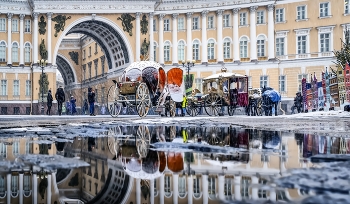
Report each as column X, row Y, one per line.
column 73, row 110
column 91, row 99
column 60, row 97
column 49, row 102
column 85, row 107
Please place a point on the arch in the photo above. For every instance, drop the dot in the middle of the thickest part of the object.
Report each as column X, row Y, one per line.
column 261, row 37
column 3, row 42
column 167, row 42
column 244, row 37
column 211, row 40
column 66, row 69
column 155, row 43
column 197, row 41
column 228, row 38
column 93, row 28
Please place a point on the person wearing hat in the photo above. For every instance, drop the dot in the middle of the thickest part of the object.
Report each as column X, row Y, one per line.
column 72, row 105
column 60, row 97
column 91, row 99
column 49, row 102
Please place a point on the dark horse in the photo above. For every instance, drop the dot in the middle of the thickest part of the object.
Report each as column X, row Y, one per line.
column 298, row 103
column 270, row 99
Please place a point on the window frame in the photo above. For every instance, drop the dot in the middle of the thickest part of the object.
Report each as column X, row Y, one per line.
column 264, row 80
column 300, row 13
column 322, row 44
column 195, row 23
column 166, row 24
column 260, row 44
column 2, row 51
column 3, row 87
column 210, row 22
column 324, row 12
column 27, row 52
column 195, row 50
column 243, row 17
column 260, row 17
column 299, row 80
column 154, row 25
column 227, row 48
column 14, row 52
column 280, row 45
column 245, row 53
column 16, row 87
column 167, row 51
column 282, row 83
column 226, row 20
column 211, row 49
column 14, row 25
column 280, row 17
column 2, row 24
column 27, row 25
column 181, row 23
column 181, row 50
column 300, row 46
column 28, row 87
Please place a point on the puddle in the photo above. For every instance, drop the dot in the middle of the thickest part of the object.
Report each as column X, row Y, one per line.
column 110, row 163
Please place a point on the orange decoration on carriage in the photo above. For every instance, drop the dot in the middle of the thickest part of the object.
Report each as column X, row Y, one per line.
column 175, row 162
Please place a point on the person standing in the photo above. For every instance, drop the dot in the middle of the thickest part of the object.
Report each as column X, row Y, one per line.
column 73, row 110
column 49, row 102
column 68, row 107
column 183, row 105
column 91, row 98
column 60, row 97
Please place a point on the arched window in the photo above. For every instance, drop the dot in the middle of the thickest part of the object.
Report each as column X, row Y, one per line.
column 181, row 50
column 195, row 50
column 196, row 188
column 26, row 185
column 166, row 51
column 211, row 49
column 14, row 52
column 154, row 51
column 182, row 186
column 27, row 52
column 2, row 187
column 228, row 189
column 243, row 44
column 14, row 185
column 261, row 46
column 2, row 51
column 227, row 48
column 211, row 188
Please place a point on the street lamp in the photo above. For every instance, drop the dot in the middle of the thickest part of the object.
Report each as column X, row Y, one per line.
column 42, row 64
column 188, row 66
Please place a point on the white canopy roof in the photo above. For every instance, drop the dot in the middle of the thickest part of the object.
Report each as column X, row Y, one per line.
column 142, row 174
column 224, row 75
column 143, row 64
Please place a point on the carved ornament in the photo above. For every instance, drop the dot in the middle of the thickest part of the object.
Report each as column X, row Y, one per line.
column 45, row 82
column 74, row 56
column 253, row 8
column 236, row 10
column 60, row 23
column 42, row 25
column 42, row 49
column 144, row 25
column 127, row 22
column 205, row 13
column 220, row 12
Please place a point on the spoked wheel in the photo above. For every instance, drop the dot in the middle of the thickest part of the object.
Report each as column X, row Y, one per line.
column 213, row 136
column 191, row 108
column 142, row 100
column 231, row 110
column 172, row 108
column 143, row 139
column 113, row 142
column 113, row 106
column 212, row 104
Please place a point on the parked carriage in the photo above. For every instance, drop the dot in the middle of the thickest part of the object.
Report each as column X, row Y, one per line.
column 220, row 91
column 145, row 85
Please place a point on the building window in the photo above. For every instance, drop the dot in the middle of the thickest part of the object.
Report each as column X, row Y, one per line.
column 199, row 83
column 154, row 25
column 262, row 193
column 324, row 9
column 182, row 186
column 2, row 186
column 346, row 11
column 261, row 46
column 154, row 51
column 210, row 21
column 211, row 187
column 84, row 54
column 3, row 149
column 166, row 51
column 282, row 83
column 280, row 15
column 28, row 87
column 243, row 19
column 96, row 68
column 26, row 184
column 29, row 148
column 211, row 49
column 14, row 185
column 28, row 111
column 181, row 23
column 167, row 186
column 2, row 24
column 90, row 51
column 2, row 51
column 301, row 12
column 95, row 48
column 27, row 53
column 14, row 25
column 260, row 17
column 181, row 50
column 302, row 44
column 300, row 78
column 15, row 52
column 195, row 22
column 195, row 50
column 227, row 48
column 324, row 42
column 245, row 183
column 196, row 188
column 15, row 148
column 226, row 20
column 166, row 25
column 27, row 25
column 4, row 87
column 16, row 87
column 89, row 64
column 3, row 110
column 227, row 189
column 279, row 46
column 264, row 81
column 243, row 44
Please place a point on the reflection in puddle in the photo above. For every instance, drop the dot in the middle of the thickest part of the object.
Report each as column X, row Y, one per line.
column 102, row 163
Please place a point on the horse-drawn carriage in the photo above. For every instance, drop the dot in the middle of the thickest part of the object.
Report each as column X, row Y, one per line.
column 263, row 101
column 255, row 106
column 220, row 90
column 145, row 85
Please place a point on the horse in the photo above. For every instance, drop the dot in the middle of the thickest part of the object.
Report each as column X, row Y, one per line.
column 270, row 100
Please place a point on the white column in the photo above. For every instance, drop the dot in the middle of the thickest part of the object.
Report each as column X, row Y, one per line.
column 237, row 187
column 189, row 36
column 137, row 36
column 253, row 54
column 189, row 189
column 35, row 189
column 21, row 39
column 205, row 192
column 235, row 24
column 138, row 191
column 151, row 183
column 273, row 196
column 9, row 40
column 35, row 37
column 151, row 40
column 48, row 189
column 204, row 37
column 161, row 189
column 219, row 46
column 174, row 39
column 54, row 183
column 255, row 182
column 49, row 53
column 160, row 35
column 8, row 193
column 221, row 182
column 271, row 32
column 175, row 188
column 20, row 194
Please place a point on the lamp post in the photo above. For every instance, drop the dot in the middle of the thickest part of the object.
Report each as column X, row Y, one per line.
column 188, row 66
column 42, row 64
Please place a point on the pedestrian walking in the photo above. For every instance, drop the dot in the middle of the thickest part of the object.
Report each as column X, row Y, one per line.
column 184, row 104
column 60, row 97
column 49, row 102
column 85, row 107
column 73, row 101
column 91, row 99
column 68, row 109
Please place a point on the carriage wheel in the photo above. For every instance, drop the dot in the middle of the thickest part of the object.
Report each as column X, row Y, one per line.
column 113, row 106
column 212, row 104
column 142, row 100
column 213, row 136
column 113, row 142
column 192, row 108
column 143, row 139
column 231, row 110
column 172, row 108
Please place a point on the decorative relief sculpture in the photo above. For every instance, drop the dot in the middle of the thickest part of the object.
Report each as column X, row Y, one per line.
column 144, row 49
column 42, row 25
column 45, row 82
column 74, row 56
column 42, row 49
column 144, row 25
column 60, row 23
column 127, row 22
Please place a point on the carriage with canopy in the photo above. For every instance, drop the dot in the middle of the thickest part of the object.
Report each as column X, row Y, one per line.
column 221, row 91
column 145, row 85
